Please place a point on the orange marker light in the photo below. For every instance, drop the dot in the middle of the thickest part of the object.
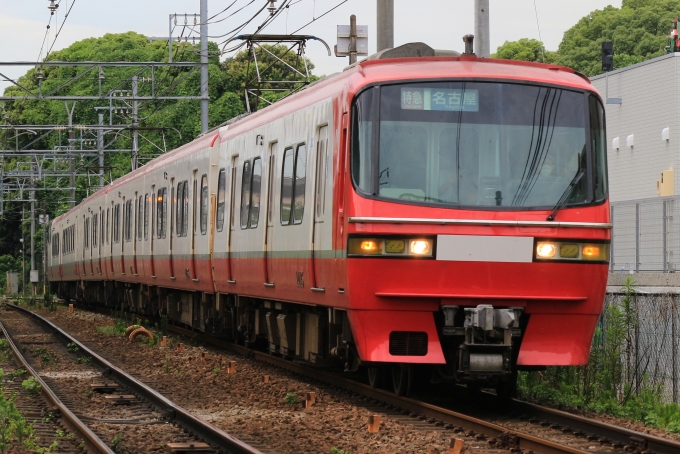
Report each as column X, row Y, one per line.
column 591, row 251
column 369, row 246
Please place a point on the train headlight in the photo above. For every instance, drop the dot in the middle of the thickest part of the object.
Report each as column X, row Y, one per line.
column 420, row 247
column 570, row 251
column 545, row 250
column 391, row 247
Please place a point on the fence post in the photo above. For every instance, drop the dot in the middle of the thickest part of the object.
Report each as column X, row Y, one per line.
column 665, row 233
column 637, row 237
column 674, row 349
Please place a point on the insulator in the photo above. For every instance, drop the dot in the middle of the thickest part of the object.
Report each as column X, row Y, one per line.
column 195, row 21
column 186, row 21
column 53, row 6
column 271, row 8
column 175, row 19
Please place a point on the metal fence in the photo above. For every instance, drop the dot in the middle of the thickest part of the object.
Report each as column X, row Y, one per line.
column 646, row 236
column 654, row 342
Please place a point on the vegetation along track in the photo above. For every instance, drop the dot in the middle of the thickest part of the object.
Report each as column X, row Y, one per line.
column 132, row 415
column 553, row 431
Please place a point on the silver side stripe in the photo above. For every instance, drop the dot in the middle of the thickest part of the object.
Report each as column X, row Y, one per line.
column 484, row 222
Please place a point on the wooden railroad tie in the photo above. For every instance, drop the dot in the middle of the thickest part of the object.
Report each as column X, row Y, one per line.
column 103, row 387
column 121, row 399
column 311, row 399
column 374, row 423
column 189, row 447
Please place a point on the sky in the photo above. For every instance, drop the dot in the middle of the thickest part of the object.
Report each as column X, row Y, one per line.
column 438, row 23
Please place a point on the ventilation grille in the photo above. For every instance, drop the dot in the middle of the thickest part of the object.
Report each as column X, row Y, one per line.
column 405, row 343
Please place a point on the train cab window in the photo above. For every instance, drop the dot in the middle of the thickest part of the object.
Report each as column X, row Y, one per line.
column 293, row 185
column 55, row 245
column 204, row 204
column 221, row 193
column 146, row 217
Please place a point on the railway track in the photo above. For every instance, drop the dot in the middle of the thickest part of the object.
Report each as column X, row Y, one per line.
column 594, row 436
column 528, row 428
column 70, row 389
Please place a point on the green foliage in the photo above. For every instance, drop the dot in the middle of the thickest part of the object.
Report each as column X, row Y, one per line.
column 117, row 444
column 117, row 329
column 339, row 451
column 83, row 360
column 47, row 357
column 167, row 364
column 72, row 347
column 217, row 370
column 31, row 385
column 525, row 49
column 13, row 375
column 291, row 398
column 639, row 31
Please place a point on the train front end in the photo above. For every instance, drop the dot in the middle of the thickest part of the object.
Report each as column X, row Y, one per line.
column 478, row 222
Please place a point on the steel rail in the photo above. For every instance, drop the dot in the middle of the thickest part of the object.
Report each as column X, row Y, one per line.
column 523, row 441
column 182, row 417
column 92, row 441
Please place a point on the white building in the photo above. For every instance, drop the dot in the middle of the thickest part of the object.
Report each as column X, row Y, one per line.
column 643, row 132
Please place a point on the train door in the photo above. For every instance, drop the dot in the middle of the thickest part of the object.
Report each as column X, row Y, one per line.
column 152, row 232
column 122, row 234
column 232, row 231
column 194, row 220
column 109, row 235
column 319, row 208
column 269, row 228
column 91, row 233
column 100, row 244
column 85, row 250
column 172, row 231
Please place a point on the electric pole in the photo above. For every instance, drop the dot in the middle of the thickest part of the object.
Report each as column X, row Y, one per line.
column 482, row 31
column 135, row 131
column 386, row 24
column 32, row 197
column 352, row 39
column 204, row 65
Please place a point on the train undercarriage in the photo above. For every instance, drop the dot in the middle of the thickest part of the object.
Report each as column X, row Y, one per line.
column 480, row 343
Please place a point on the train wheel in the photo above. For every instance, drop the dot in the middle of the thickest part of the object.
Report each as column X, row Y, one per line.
column 376, row 377
column 401, row 379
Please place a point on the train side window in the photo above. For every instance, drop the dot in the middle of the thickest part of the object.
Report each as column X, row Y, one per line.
column 221, row 193
column 140, row 218
column 161, row 204
column 204, row 204
column 95, row 229
column 179, row 209
column 245, row 193
column 107, row 225
column 256, row 187
column 321, row 173
column 185, row 219
column 287, row 185
column 86, row 233
column 116, row 224
column 300, row 183
column 146, row 217
column 128, row 217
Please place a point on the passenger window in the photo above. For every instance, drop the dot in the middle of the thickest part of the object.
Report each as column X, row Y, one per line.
column 86, row 233
column 161, row 204
column 221, row 193
column 179, row 209
column 287, row 185
column 204, row 204
column 139, row 218
column 185, row 221
column 299, row 183
column 146, row 217
column 320, row 193
column 107, row 225
column 256, row 187
column 245, row 193
column 95, row 229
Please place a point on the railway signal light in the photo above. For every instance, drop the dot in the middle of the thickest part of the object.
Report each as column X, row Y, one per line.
column 607, row 56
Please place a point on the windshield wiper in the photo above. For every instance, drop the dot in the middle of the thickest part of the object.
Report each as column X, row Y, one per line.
column 565, row 196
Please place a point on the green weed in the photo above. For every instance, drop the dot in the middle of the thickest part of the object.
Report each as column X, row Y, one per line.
column 291, row 398
column 31, row 385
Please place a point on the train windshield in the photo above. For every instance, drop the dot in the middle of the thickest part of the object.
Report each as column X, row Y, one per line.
column 479, row 144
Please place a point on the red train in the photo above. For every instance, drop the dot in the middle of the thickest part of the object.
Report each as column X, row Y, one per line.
column 441, row 213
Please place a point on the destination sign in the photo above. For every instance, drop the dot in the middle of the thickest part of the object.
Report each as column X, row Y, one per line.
column 451, row 99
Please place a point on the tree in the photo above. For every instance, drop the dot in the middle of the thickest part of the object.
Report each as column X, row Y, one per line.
column 639, row 31
column 526, row 49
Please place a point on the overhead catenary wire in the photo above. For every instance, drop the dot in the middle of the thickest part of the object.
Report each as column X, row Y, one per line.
column 61, row 27
column 538, row 25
